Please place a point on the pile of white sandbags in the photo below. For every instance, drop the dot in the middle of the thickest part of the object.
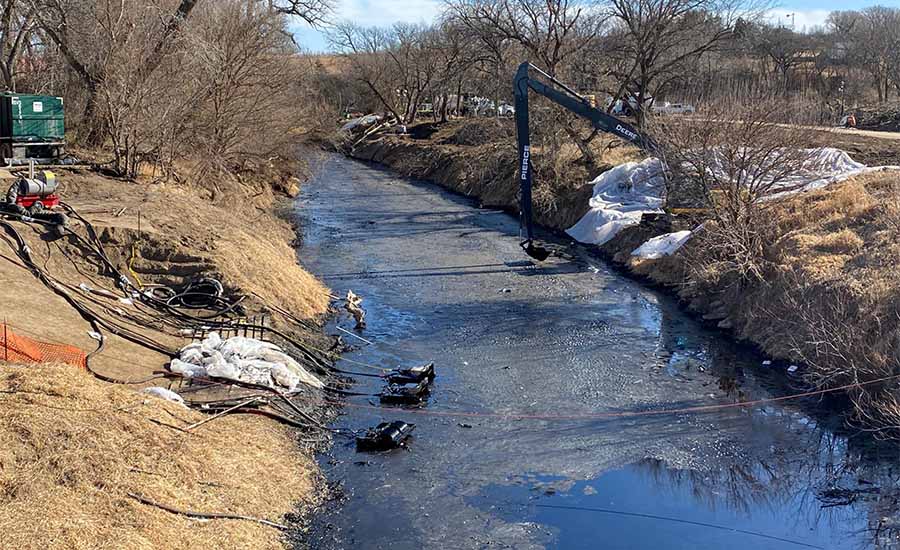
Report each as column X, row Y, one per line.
column 243, row 360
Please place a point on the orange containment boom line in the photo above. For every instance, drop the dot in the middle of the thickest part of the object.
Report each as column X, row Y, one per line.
column 15, row 348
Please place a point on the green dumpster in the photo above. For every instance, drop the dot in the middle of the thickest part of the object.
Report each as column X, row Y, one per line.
column 31, row 126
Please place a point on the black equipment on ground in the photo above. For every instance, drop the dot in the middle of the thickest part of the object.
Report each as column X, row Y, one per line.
column 571, row 100
column 384, row 437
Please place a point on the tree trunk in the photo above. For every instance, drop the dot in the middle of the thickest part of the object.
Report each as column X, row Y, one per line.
column 96, row 125
column 584, row 145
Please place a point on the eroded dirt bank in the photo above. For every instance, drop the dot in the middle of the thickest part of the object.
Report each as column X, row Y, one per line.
column 74, row 450
column 828, row 298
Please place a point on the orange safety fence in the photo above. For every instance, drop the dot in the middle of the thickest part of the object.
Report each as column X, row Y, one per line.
column 16, row 348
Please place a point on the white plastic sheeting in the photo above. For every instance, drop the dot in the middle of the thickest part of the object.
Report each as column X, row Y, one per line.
column 663, row 245
column 825, row 166
column 164, row 393
column 621, row 195
column 244, row 360
column 363, row 121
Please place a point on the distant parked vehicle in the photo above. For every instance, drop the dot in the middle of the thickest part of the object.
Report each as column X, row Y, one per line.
column 629, row 106
column 505, row 109
column 667, row 108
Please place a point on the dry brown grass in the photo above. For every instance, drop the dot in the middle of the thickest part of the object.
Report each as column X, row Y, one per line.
column 185, row 232
column 71, row 448
column 830, row 296
column 269, row 268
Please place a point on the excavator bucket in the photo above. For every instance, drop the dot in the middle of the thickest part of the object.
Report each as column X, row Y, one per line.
column 539, row 253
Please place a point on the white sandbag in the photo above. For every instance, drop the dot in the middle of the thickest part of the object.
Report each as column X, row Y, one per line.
column 186, row 369
column 663, row 245
column 163, row 393
column 244, row 360
column 283, row 376
column 243, row 347
column 214, row 357
column 256, row 371
column 212, row 341
column 301, row 373
column 191, row 355
column 224, row 369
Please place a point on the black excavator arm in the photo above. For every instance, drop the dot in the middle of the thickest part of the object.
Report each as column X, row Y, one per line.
column 571, row 100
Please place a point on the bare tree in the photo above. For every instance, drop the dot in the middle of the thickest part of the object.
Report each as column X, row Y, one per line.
column 783, row 47
column 732, row 160
column 397, row 64
column 870, row 39
column 90, row 35
column 314, row 12
column 17, row 24
column 656, row 37
column 550, row 32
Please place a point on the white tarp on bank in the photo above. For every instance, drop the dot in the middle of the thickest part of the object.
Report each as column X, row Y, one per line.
column 243, row 360
column 663, row 245
column 623, row 194
column 823, row 167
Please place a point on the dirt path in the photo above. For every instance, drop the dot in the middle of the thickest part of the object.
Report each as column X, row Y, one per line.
column 865, row 133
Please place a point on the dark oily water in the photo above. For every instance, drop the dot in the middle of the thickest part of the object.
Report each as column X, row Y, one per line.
column 528, row 439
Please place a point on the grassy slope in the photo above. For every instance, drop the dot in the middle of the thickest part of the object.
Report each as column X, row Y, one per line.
column 71, row 447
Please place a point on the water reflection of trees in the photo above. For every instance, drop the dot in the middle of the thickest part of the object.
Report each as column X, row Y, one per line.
column 837, row 478
column 826, row 475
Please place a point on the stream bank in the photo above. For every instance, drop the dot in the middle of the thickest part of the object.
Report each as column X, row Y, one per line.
column 77, row 450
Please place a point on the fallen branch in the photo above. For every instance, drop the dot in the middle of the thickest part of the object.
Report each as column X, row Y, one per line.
column 223, row 413
column 202, row 515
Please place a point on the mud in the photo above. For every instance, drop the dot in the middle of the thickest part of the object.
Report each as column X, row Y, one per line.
column 444, row 281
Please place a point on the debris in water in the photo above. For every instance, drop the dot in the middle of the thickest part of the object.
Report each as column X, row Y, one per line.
column 411, row 393
column 353, row 306
column 412, row 375
column 385, row 436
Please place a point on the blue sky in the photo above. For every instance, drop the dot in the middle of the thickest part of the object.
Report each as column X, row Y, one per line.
column 808, row 13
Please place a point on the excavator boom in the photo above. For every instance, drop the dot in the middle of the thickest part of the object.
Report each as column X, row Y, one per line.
column 569, row 99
